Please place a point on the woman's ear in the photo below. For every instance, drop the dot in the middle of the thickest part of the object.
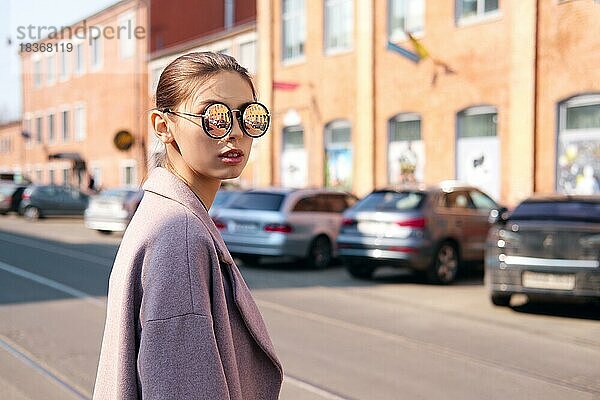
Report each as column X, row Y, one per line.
column 160, row 123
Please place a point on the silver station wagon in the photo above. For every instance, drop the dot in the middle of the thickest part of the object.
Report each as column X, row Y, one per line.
column 549, row 246
column 300, row 223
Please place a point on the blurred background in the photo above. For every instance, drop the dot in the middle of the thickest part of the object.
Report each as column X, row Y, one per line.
column 411, row 142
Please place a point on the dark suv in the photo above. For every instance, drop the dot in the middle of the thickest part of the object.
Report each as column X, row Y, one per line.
column 427, row 229
column 548, row 246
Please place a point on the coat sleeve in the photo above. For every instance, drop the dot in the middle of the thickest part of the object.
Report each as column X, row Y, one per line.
column 179, row 359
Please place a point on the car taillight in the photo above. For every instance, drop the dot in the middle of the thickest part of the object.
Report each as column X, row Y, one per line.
column 281, row 228
column 348, row 221
column 25, row 196
column 403, row 249
column 219, row 224
column 417, row 223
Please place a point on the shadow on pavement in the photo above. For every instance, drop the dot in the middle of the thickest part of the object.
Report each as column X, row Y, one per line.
column 576, row 310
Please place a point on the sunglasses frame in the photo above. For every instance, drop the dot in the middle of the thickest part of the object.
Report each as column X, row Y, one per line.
column 239, row 118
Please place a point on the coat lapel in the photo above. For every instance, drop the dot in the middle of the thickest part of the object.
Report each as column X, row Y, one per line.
column 164, row 183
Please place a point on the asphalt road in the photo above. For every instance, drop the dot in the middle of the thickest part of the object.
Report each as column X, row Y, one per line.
column 338, row 338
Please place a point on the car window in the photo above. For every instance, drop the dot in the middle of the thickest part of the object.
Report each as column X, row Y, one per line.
column 306, row 204
column 391, row 201
column 222, row 197
column 335, row 203
column 7, row 190
column 457, row 199
column 120, row 193
column 482, row 201
column 47, row 191
column 585, row 211
column 261, row 201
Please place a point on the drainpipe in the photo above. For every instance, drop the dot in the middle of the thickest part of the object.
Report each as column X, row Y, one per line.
column 536, row 91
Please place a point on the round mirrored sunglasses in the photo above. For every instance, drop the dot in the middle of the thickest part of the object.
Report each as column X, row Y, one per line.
column 217, row 119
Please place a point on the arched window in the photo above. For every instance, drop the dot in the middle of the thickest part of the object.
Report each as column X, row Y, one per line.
column 338, row 154
column 578, row 151
column 406, row 155
column 293, row 157
column 478, row 148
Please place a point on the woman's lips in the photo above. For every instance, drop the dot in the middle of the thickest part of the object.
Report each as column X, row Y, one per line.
column 232, row 158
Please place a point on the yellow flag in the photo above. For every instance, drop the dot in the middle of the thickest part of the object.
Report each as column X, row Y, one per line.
column 419, row 48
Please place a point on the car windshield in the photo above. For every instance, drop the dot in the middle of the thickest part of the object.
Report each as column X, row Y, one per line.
column 258, row 201
column 391, row 201
column 223, row 197
column 7, row 190
column 120, row 193
column 586, row 211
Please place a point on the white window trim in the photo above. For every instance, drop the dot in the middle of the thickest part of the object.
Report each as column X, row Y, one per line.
column 50, row 82
column 128, row 163
column 80, row 136
column 83, row 58
column 98, row 67
column 34, row 135
column 122, row 21
column 62, row 46
column 99, row 166
column 28, row 120
column 60, row 110
column 296, row 59
column 479, row 17
column 51, row 111
column 331, row 51
column 401, row 37
column 36, row 57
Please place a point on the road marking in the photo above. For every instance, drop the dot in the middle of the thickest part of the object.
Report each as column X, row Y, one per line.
column 52, row 284
column 432, row 347
column 58, row 250
column 324, row 393
column 20, row 355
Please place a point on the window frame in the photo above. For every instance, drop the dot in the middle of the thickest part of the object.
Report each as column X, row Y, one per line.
column 327, row 6
column 399, row 37
column 480, row 16
column 300, row 17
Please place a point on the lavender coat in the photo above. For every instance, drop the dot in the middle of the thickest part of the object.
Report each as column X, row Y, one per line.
column 181, row 322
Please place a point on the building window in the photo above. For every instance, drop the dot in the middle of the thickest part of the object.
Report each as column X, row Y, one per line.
column 338, row 155
column 406, row 153
column 128, row 173
column 578, row 152
column 339, row 25
column 97, row 174
column 37, row 73
column 247, row 56
column 65, row 125
column 229, row 13
column 38, row 176
column 126, row 36
column 478, row 149
column 79, row 63
column 405, row 16
column 294, row 166
column 294, row 29
column 475, row 9
column 51, row 175
column 51, row 128
column 51, row 68
column 66, row 176
column 96, row 52
column 64, row 64
column 38, row 129
column 79, row 123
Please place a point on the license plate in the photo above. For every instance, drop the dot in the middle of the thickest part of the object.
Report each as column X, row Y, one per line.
column 539, row 280
column 372, row 228
column 245, row 227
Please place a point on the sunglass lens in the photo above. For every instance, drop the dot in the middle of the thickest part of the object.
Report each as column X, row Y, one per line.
column 256, row 119
column 217, row 120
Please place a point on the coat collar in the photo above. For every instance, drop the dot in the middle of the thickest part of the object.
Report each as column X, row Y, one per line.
column 164, row 183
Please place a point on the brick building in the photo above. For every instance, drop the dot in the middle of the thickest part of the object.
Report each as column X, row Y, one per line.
column 473, row 95
column 12, row 149
column 77, row 97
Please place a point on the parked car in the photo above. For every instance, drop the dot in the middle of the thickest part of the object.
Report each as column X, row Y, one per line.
column 223, row 197
column 112, row 209
column 301, row 223
column 10, row 196
column 548, row 246
column 50, row 200
column 428, row 229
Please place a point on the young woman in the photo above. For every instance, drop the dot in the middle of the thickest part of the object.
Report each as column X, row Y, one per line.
column 181, row 322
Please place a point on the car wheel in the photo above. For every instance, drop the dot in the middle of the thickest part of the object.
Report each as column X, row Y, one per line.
column 104, row 232
column 319, row 254
column 444, row 265
column 32, row 213
column 360, row 271
column 249, row 259
column 500, row 299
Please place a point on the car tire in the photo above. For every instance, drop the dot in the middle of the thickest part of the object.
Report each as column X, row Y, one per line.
column 445, row 263
column 320, row 253
column 104, row 232
column 360, row 271
column 500, row 299
column 249, row 259
column 32, row 213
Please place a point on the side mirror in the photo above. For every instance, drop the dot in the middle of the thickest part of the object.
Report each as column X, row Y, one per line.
column 498, row 216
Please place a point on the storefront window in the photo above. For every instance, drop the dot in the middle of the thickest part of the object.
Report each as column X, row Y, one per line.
column 406, row 155
column 294, row 166
column 338, row 155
